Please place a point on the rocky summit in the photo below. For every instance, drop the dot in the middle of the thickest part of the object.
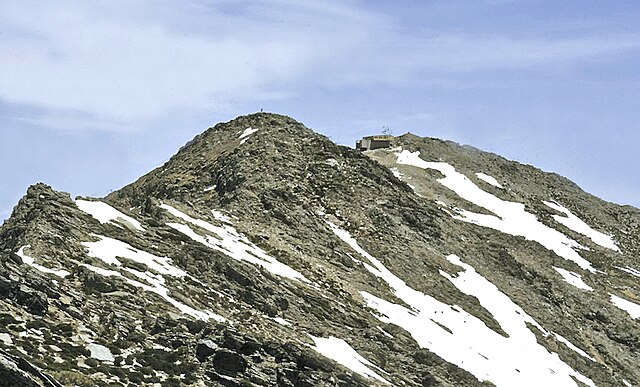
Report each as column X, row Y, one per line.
column 263, row 254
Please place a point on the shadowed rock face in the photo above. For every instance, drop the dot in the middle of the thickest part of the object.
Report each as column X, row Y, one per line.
column 267, row 255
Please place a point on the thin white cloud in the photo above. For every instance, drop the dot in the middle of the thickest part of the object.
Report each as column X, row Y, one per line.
column 72, row 59
column 400, row 59
column 73, row 121
column 110, row 65
column 468, row 53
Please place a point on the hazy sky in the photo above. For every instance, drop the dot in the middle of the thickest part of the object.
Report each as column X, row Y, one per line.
column 95, row 94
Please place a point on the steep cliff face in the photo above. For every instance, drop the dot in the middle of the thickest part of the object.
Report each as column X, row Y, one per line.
column 264, row 254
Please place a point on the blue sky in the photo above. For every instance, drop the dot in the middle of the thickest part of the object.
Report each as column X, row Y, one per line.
column 95, row 94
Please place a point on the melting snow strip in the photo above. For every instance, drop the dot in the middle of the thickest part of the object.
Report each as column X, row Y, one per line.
column 32, row 262
column 157, row 287
column 104, row 213
column 630, row 307
column 572, row 347
column 341, row 352
column 578, row 225
column 573, row 279
column 510, row 217
column 463, row 339
column 281, row 321
column 227, row 240
column 108, row 250
column 384, row 332
column 489, row 179
column 630, row 270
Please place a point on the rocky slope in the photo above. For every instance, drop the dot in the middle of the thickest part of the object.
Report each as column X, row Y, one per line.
column 262, row 254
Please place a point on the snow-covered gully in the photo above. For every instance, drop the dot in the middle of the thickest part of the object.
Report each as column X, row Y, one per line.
column 463, row 339
column 511, row 217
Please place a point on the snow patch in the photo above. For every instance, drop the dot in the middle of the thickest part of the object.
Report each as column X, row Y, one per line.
column 396, row 173
column 489, row 179
column 281, row 321
column 104, row 213
column 510, row 217
column 100, row 352
column 109, row 273
column 211, row 188
column 578, row 225
column 247, row 132
column 341, row 352
column 6, row 339
column 32, row 262
column 630, row 307
column 108, row 249
column 573, row 279
column 332, row 162
column 461, row 338
column 219, row 216
column 227, row 240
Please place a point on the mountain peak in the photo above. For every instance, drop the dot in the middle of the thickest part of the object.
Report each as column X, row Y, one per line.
column 218, row 161
column 264, row 254
column 39, row 203
column 240, row 128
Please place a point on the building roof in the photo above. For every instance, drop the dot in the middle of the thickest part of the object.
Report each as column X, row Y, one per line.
column 380, row 137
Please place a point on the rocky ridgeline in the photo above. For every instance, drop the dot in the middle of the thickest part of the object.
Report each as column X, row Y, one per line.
column 253, row 255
